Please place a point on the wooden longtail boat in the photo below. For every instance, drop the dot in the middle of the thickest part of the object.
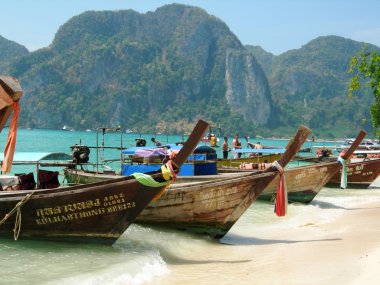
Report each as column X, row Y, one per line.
column 359, row 174
column 305, row 182
column 212, row 206
column 266, row 156
column 96, row 213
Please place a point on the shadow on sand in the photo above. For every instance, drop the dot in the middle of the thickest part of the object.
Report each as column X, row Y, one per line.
column 233, row 239
column 173, row 259
column 327, row 205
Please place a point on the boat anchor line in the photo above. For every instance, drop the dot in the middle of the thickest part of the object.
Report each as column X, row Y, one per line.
column 17, row 209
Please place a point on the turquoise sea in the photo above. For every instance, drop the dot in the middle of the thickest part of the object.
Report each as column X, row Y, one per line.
column 146, row 255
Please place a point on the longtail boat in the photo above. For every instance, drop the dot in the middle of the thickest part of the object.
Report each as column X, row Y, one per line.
column 92, row 213
column 212, row 206
column 95, row 213
column 304, row 182
column 360, row 174
column 362, row 170
column 265, row 155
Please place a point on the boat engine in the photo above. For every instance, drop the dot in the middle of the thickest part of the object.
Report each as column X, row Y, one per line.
column 81, row 153
column 140, row 142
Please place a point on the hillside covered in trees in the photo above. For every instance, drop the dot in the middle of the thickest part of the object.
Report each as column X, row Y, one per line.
column 160, row 71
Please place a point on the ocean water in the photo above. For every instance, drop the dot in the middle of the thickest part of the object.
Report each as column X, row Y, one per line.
column 145, row 255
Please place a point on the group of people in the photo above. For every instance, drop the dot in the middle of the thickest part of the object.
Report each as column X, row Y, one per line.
column 236, row 144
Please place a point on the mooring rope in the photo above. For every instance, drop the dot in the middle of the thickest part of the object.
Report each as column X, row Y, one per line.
column 17, row 209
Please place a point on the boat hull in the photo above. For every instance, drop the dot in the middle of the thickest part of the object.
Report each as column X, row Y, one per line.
column 93, row 213
column 304, row 182
column 201, row 204
column 236, row 162
column 359, row 174
column 211, row 207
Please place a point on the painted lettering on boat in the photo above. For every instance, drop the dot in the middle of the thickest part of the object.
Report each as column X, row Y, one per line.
column 216, row 198
column 359, row 167
column 82, row 210
column 301, row 175
column 323, row 169
column 355, row 170
column 309, row 172
column 217, row 193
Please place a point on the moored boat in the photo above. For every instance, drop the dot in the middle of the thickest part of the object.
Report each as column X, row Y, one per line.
column 305, row 182
column 95, row 213
column 363, row 168
column 252, row 156
column 212, row 206
column 360, row 174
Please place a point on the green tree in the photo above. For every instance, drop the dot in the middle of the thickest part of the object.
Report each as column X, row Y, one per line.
column 366, row 69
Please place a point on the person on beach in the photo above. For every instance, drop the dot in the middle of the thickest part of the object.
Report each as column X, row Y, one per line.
column 156, row 142
column 213, row 140
column 258, row 146
column 225, row 148
column 236, row 144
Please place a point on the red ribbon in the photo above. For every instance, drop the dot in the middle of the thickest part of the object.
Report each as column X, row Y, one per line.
column 282, row 197
column 11, row 142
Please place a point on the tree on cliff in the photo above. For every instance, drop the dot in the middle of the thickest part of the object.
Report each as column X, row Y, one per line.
column 366, row 69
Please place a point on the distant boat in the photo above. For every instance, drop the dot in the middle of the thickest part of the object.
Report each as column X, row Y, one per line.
column 67, row 128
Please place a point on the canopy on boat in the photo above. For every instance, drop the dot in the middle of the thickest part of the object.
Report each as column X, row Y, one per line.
column 261, row 150
column 140, row 149
column 39, row 157
column 150, row 152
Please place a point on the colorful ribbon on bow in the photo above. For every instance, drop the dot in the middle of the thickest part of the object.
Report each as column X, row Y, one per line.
column 343, row 177
column 167, row 172
column 12, row 133
column 281, row 203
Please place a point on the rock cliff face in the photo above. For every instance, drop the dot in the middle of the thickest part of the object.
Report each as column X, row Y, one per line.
column 162, row 70
column 173, row 65
column 310, row 86
column 247, row 87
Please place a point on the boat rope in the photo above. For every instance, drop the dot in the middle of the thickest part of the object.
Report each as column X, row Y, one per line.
column 147, row 180
column 281, row 203
column 343, row 177
column 17, row 210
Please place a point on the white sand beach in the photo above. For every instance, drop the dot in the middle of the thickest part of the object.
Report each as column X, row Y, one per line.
column 342, row 250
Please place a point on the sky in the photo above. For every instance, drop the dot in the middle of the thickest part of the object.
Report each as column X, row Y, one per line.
column 275, row 25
